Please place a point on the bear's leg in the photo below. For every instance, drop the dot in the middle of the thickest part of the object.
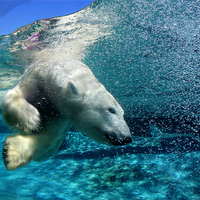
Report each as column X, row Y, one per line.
column 18, row 113
column 19, row 150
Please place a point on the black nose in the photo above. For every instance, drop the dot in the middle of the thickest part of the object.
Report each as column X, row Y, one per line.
column 126, row 141
column 119, row 141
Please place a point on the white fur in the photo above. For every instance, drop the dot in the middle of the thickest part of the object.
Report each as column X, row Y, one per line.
column 53, row 95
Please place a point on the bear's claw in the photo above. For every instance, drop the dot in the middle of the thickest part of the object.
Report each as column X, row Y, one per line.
column 4, row 155
column 5, row 150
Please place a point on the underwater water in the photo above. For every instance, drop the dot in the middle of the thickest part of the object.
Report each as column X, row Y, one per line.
column 147, row 55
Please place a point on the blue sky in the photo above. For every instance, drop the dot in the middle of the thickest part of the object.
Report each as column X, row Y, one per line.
column 17, row 13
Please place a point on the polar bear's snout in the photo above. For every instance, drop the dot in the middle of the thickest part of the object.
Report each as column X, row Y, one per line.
column 120, row 135
column 118, row 141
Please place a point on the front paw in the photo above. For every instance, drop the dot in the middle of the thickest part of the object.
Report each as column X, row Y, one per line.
column 16, row 152
column 22, row 116
column 29, row 119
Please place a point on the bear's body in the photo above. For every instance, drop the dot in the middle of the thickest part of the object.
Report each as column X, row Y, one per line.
column 52, row 96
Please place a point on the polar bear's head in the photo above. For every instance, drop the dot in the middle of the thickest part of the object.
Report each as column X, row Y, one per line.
column 99, row 115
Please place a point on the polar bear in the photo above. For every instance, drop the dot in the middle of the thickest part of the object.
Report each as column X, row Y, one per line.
column 53, row 95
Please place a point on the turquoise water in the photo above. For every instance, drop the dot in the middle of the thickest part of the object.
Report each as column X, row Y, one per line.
column 86, row 171
column 146, row 53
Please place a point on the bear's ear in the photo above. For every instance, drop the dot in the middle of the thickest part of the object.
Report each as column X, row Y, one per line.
column 71, row 89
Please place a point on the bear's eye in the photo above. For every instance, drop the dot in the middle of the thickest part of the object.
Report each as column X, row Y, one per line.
column 111, row 110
